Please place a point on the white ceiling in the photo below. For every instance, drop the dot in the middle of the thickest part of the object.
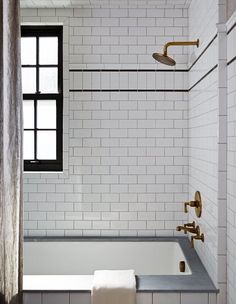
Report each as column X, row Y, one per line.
column 103, row 3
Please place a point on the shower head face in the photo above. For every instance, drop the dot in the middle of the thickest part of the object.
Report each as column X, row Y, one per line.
column 163, row 59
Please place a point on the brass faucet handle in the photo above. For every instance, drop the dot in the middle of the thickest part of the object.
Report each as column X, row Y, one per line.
column 200, row 237
column 197, row 204
column 193, row 224
column 190, row 204
column 194, row 204
column 186, row 204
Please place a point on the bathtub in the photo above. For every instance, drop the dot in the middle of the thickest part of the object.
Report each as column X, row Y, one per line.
column 69, row 264
column 84, row 257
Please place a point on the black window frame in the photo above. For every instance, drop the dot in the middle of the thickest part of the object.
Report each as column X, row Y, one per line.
column 46, row 31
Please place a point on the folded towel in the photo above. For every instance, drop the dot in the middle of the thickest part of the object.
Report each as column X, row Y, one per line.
column 114, row 287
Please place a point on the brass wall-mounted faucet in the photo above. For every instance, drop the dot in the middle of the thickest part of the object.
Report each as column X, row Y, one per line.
column 191, row 228
column 197, row 204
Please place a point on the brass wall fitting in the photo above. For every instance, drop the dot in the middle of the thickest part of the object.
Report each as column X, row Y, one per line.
column 197, row 204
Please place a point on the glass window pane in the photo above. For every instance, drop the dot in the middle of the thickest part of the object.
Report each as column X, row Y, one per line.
column 46, row 114
column 29, row 80
column 48, row 80
column 28, row 50
column 48, row 50
column 46, row 144
column 28, row 112
column 28, row 147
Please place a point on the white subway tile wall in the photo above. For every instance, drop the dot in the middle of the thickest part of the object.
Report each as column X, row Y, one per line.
column 203, row 129
column 231, row 7
column 125, row 151
column 106, row 3
column 207, row 136
column 203, row 28
column 141, row 298
column 136, row 143
column 231, row 165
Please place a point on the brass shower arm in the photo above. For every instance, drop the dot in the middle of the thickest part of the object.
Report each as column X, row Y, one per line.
column 179, row 43
column 164, row 58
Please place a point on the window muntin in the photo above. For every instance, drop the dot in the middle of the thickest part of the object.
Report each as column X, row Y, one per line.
column 41, row 52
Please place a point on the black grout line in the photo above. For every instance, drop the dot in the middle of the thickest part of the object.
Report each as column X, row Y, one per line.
column 232, row 27
column 228, row 32
column 129, row 90
column 159, row 70
column 148, row 90
column 150, row 70
column 127, row 70
column 231, row 61
column 209, row 44
column 203, row 77
column 147, row 70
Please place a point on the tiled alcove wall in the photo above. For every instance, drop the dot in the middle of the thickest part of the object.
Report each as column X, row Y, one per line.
column 231, row 163
column 119, row 145
column 125, row 153
column 203, row 128
column 141, row 298
column 207, row 135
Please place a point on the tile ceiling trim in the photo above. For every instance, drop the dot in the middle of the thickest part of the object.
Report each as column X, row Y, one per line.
column 105, row 3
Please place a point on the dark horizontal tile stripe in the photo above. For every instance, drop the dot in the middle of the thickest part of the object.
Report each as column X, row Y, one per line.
column 127, row 70
column 203, row 77
column 231, row 61
column 128, row 90
column 202, row 53
column 149, row 70
column 147, row 90
column 232, row 27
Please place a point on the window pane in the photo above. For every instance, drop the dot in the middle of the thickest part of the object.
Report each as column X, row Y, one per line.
column 28, row 111
column 48, row 80
column 46, row 144
column 28, row 50
column 46, row 114
column 28, row 80
column 48, row 50
column 28, row 145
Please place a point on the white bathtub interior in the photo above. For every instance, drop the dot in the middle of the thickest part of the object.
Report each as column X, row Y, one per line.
column 83, row 258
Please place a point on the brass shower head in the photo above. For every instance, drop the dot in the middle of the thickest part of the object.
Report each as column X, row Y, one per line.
column 164, row 58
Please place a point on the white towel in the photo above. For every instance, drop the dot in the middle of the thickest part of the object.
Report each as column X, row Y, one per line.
column 114, row 287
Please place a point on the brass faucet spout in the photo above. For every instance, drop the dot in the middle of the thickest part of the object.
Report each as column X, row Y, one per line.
column 190, row 227
column 179, row 228
column 186, row 229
